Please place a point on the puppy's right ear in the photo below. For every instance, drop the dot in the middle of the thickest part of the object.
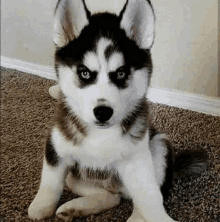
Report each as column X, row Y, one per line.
column 71, row 16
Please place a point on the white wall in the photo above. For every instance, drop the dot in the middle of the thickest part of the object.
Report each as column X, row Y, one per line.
column 186, row 46
column 184, row 54
column 27, row 30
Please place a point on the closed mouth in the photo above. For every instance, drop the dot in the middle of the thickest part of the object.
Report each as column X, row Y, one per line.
column 103, row 125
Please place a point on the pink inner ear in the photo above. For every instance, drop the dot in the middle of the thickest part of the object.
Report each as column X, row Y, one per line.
column 138, row 22
column 134, row 32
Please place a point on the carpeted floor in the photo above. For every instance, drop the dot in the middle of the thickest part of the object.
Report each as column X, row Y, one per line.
column 26, row 113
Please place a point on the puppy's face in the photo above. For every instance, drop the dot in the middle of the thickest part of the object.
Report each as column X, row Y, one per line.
column 103, row 66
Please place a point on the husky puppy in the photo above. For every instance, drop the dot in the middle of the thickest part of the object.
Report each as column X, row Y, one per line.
column 102, row 141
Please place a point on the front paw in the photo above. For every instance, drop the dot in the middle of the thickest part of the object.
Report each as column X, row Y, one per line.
column 136, row 217
column 170, row 220
column 70, row 210
column 131, row 219
column 43, row 206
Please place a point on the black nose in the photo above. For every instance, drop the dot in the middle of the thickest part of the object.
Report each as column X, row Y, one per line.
column 103, row 113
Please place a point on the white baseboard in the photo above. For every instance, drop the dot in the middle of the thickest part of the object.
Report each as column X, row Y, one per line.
column 40, row 70
column 190, row 101
column 199, row 103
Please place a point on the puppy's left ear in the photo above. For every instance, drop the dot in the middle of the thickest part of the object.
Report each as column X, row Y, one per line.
column 138, row 21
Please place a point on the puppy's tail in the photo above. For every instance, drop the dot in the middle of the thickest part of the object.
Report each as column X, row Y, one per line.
column 189, row 163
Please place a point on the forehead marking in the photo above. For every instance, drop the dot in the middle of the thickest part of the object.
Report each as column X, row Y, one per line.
column 108, row 51
column 101, row 47
column 91, row 61
column 116, row 60
column 103, row 43
column 104, row 60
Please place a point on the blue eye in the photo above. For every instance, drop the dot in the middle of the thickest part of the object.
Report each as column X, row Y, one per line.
column 85, row 74
column 120, row 75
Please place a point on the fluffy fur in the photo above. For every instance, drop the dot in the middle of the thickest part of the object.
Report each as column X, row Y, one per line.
column 102, row 141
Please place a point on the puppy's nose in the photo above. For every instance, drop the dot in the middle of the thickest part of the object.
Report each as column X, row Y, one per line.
column 103, row 113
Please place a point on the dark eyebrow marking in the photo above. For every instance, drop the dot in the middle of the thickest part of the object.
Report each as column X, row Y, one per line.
column 109, row 51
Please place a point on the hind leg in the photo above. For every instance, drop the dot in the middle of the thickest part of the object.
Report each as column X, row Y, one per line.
column 163, row 155
column 94, row 200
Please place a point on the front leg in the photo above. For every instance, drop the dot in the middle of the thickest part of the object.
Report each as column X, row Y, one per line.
column 139, row 180
column 52, row 182
column 136, row 216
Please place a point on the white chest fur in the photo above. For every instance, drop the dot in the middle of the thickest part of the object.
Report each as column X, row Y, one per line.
column 100, row 149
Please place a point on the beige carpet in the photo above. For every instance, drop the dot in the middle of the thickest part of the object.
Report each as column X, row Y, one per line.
column 26, row 113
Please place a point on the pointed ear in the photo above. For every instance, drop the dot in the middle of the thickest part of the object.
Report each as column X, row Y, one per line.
column 71, row 16
column 138, row 21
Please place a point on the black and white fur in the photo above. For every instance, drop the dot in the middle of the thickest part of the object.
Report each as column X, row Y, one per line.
column 102, row 141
